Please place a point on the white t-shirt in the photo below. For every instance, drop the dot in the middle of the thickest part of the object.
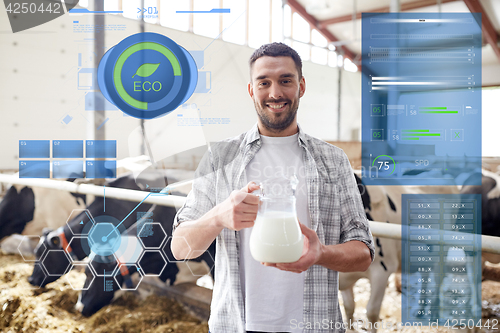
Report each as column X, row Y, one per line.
column 273, row 298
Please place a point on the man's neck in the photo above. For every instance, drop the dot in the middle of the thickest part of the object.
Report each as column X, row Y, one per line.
column 290, row 130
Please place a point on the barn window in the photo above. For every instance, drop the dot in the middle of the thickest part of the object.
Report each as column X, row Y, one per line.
column 129, row 8
column 170, row 19
column 259, row 23
column 234, row 23
column 251, row 23
column 206, row 24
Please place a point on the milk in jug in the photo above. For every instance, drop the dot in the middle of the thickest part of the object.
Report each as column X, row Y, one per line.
column 276, row 236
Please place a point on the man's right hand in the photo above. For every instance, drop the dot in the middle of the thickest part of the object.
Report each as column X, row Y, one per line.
column 236, row 212
column 239, row 210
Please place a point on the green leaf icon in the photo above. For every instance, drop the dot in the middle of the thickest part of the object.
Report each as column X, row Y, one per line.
column 146, row 70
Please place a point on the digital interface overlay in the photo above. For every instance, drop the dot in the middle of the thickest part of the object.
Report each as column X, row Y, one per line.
column 441, row 258
column 67, row 159
column 421, row 97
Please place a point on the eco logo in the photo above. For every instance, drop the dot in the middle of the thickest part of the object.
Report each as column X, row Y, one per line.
column 147, row 75
column 26, row 14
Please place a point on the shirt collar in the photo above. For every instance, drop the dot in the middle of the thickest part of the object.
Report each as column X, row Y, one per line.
column 254, row 135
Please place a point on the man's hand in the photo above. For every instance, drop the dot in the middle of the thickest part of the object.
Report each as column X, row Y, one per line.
column 351, row 256
column 236, row 212
column 239, row 211
column 311, row 253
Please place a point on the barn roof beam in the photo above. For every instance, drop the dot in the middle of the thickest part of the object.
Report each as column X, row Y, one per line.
column 313, row 22
column 489, row 32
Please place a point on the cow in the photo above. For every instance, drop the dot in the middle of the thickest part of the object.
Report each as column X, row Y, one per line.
column 75, row 247
column 28, row 210
column 383, row 204
column 490, row 214
column 93, row 298
column 378, row 207
column 16, row 209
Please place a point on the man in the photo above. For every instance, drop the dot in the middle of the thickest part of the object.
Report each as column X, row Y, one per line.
column 266, row 297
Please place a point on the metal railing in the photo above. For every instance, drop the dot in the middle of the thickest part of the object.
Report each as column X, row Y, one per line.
column 489, row 244
column 100, row 191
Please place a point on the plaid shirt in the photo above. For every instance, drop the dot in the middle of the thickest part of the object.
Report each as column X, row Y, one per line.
column 337, row 216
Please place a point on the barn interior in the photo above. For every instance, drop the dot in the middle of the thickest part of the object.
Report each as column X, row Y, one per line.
column 52, row 92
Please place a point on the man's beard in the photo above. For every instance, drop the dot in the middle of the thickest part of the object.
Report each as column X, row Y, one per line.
column 282, row 121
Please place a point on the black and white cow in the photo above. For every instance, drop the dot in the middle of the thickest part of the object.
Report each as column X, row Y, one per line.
column 74, row 247
column 16, row 209
column 97, row 296
column 28, row 210
column 378, row 207
column 381, row 203
column 490, row 214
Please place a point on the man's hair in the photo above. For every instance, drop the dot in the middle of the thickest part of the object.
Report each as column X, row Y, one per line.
column 277, row 50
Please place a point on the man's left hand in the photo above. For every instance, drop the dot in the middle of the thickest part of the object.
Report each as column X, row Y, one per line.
column 311, row 253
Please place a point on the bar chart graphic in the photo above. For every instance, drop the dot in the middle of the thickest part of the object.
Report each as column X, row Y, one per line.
column 422, row 135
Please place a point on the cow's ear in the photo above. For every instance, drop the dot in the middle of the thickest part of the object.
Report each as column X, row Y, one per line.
column 46, row 231
column 27, row 202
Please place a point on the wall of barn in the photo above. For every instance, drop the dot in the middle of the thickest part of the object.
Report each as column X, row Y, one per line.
column 39, row 88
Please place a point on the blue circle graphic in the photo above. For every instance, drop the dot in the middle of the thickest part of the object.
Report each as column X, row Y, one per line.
column 104, row 238
column 147, row 75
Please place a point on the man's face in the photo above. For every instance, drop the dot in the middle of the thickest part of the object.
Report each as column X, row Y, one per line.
column 276, row 89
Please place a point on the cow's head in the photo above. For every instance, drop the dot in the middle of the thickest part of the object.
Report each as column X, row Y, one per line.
column 100, row 292
column 16, row 209
column 50, row 240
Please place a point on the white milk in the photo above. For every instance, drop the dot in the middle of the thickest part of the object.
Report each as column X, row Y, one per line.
column 276, row 238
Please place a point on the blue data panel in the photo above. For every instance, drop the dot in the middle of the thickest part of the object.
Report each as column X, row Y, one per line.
column 100, row 149
column 421, row 97
column 67, row 148
column 441, row 258
column 67, row 169
column 101, row 169
column 34, row 148
column 34, row 169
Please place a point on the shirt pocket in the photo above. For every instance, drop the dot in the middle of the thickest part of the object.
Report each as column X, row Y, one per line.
column 329, row 204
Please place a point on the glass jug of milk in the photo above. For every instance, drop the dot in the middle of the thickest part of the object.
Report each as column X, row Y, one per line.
column 276, row 236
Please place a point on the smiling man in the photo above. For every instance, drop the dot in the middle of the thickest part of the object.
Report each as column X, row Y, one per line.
column 276, row 104
column 295, row 297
